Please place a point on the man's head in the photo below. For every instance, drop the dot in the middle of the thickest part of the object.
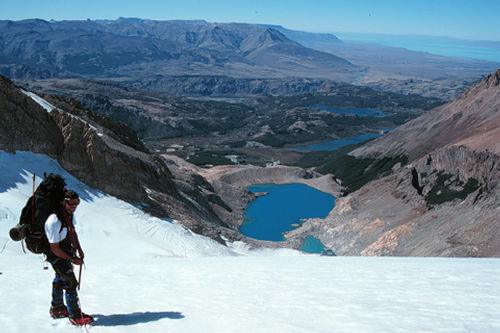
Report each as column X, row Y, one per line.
column 71, row 201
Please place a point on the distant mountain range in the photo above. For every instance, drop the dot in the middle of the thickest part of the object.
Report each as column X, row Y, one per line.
column 139, row 48
column 149, row 54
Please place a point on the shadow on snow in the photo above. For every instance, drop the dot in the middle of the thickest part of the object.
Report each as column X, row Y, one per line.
column 134, row 318
column 19, row 168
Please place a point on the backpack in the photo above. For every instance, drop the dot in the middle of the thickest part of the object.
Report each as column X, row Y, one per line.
column 47, row 197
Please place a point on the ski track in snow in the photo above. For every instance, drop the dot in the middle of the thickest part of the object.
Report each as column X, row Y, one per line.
column 144, row 274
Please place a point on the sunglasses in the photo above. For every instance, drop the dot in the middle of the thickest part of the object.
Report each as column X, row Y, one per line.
column 73, row 204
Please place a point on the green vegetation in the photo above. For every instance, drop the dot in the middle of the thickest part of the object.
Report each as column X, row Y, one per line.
column 444, row 189
column 353, row 172
column 347, row 96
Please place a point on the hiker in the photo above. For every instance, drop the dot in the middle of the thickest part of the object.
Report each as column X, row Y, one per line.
column 65, row 251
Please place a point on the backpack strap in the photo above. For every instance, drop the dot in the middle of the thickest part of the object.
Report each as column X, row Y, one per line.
column 67, row 221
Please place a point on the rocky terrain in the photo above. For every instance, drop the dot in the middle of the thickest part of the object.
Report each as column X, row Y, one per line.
column 109, row 157
column 444, row 202
column 471, row 120
column 121, row 121
column 255, row 129
column 156, row 115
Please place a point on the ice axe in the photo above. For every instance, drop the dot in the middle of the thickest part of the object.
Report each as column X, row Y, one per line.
column 79, row 277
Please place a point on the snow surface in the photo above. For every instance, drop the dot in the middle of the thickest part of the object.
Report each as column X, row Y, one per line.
column 42, row 102
column 145, row 274
column 49, row 107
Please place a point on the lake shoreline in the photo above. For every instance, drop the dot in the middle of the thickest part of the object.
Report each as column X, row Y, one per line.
column 285, row 208
column 230, row 182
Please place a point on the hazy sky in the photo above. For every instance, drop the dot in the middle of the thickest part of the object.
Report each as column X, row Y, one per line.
column 468, row 19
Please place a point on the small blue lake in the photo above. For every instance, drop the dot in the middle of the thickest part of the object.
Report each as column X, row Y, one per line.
column 357, row 112
column 312, row 245
column 336, row 144
column 282, row 209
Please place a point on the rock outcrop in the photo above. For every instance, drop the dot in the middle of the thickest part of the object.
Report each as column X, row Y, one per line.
column 25, row 124
column 445, row 202
column 107, row 159
column 456, row 214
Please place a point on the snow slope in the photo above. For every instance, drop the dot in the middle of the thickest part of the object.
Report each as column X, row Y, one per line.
column 148, row 275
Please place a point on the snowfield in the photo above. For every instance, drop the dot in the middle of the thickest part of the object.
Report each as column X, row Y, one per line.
column 145, row 274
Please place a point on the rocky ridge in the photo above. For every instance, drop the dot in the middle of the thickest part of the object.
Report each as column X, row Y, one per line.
column 471, row 120
column 389, row 217
column 445, row 202
column 102, row 159
column 109, row 157
column 21, row 129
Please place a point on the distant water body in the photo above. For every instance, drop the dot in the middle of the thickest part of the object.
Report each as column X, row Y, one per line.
column 336, row 144
column 448, row 47
column 282, row 209
column 357, row 112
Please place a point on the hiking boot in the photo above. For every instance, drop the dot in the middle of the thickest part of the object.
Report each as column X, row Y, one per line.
column 81, row 320
column 58, row 311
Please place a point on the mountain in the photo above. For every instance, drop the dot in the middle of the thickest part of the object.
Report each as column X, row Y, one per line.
column 183, row 55
column 472, row 120
column 151, row 170
column 145, row 48
column 108, row 156
column 156, row 115
column 444, row 202
column 400, row 70
column 165, row 278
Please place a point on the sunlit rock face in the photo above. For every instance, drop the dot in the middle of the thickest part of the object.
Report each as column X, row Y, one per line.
column 445, row 202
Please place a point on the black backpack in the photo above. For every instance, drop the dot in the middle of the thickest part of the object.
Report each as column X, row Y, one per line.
column 48, row 195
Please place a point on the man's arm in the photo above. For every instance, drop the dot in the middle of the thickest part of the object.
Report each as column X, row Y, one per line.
column 54, row 247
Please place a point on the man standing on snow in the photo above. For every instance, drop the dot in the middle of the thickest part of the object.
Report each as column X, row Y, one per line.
column 65, row 251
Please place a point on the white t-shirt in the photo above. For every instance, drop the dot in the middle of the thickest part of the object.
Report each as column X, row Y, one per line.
column 53, row 229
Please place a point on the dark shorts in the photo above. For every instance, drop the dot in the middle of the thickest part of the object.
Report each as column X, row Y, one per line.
column 64, row 269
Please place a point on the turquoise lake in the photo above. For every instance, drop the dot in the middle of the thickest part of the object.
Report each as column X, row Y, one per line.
column 282, row 209
column 312, row 245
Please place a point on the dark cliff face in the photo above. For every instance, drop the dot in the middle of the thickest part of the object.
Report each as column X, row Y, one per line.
column 102, row 158
column 104, row 163
column 82, row 147
column 25, row 125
